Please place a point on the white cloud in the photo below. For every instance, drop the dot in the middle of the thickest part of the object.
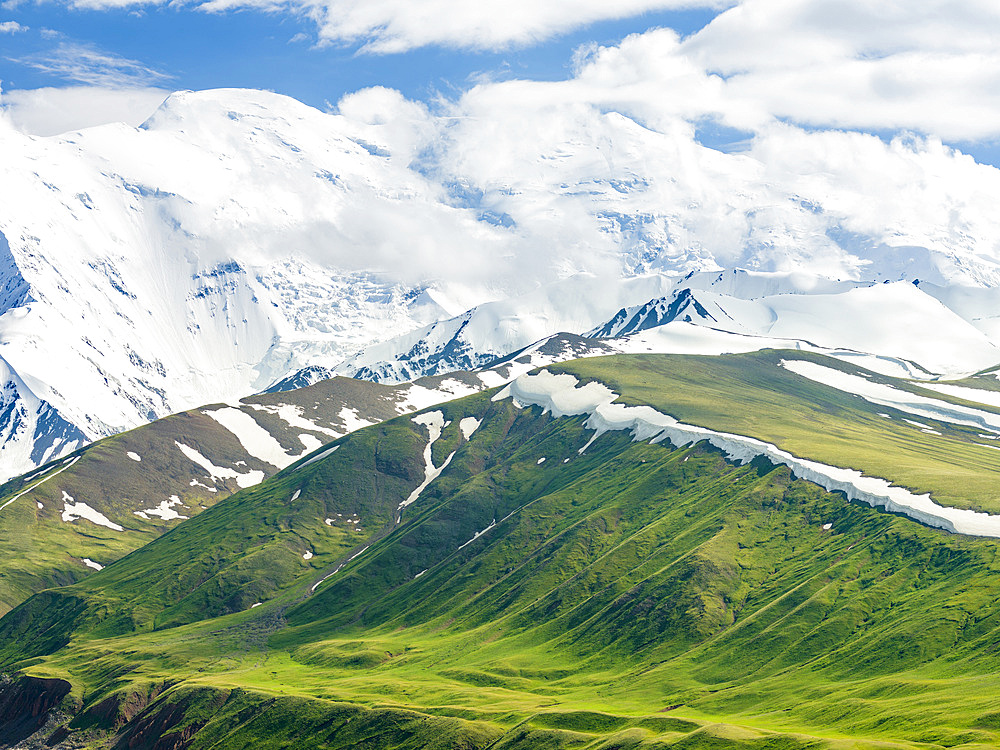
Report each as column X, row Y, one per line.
column 603, row 172
column 886, row 67
column 86, row 64
column 392, row 26
column 384, row 26
column 49, row 111
column 928, row 65
column 605, row 168
column 11, row 27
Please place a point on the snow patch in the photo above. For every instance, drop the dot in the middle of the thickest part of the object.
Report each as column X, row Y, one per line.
column 540, row 461
column 91, row 564
column 980, row 395
column 307, row 555
column 337, row 569
column 318, row 457
column 134, row 456
column 469, row 425
column 922, row 427
column 434, row 422
column 163, row 511
column 249, row 479
column 66, row 464
column 73, row 510
column 311, row 442
column 255, row 440
column 491, row 378
column 417, row 397
column 478, row 534
column 353, row 420
column 292, row 415
column 589, row 443
column 886, row 395
column 501, row 394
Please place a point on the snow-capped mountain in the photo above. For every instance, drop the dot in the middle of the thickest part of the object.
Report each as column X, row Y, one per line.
column 909, row 326
column 680, row 305
column 495, row 329
column 240, row 241
column 902, row 320
column 139, row 269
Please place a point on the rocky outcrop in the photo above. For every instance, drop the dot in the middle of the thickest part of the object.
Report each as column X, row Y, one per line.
column 25, row 705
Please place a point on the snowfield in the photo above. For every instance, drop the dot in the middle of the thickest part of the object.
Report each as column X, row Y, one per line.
column 886, row 395
column 73, row 510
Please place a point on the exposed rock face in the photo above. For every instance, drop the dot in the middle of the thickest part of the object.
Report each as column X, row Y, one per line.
column 25, row 705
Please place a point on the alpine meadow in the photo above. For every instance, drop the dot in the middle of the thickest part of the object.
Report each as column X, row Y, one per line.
column 434, row 375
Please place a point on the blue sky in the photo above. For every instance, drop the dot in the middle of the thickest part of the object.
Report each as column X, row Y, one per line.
column 927, row 67
column 183, row 48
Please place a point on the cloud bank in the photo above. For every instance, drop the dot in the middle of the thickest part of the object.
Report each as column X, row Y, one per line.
column 50, row 111
column 607, row 172
column 930, row 66
column 608, row 168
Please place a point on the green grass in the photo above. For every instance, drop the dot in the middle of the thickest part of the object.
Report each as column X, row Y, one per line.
column 633, row 596
column 39, row 550
column 750, row 394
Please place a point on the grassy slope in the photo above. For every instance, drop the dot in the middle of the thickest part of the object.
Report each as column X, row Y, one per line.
column 634, row 594
column 750, row 394
column 39, row 550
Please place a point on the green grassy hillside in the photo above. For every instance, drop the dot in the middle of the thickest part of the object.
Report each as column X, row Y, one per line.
column 636, row 595
column 751, row 394
column 140, row 469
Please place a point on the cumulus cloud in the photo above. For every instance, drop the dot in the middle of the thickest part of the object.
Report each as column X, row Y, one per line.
column 929, row 65
column 521, row 181
column 11, row 27
column 50, row 111
column 398, row 25
column 607, row 166
column 391, row 26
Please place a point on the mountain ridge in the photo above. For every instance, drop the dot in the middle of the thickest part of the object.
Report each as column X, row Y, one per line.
column 551, row 586
column 239, row 237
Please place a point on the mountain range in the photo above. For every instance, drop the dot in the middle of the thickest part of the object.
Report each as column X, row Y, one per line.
column 326, row 429
column 240, row 241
